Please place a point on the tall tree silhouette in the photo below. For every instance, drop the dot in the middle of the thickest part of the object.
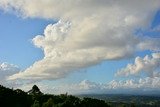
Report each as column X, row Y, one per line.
column 34, row 91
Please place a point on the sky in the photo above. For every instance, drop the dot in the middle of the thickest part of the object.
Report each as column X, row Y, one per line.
column 81, row 46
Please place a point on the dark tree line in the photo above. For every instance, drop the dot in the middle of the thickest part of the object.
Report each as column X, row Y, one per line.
column 35, row 98
column 14, row 98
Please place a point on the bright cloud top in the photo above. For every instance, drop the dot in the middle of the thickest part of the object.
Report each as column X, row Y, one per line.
column 149, row 64
column 89, row 32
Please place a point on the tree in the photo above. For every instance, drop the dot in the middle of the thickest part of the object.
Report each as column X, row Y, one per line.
column 49, row 103
column 35, row 88
column 36, row 104
column 132, row 105
column 35, row 91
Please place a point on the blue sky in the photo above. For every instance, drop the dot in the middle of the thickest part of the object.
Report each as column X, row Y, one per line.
column 85, row 51
column 17, row 33
column 20, row 50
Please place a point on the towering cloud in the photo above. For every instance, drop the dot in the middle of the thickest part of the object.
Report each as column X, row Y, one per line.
column 89, row 32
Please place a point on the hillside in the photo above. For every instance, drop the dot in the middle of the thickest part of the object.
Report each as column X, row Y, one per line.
column 34, row 98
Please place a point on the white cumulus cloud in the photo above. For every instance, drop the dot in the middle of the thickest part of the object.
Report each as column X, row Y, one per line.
column 145, row 85
column 149, row 65
column 89, row 32
column 7, row 70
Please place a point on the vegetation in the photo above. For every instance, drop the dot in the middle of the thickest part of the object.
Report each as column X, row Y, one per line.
column 35, row 98
column 124, row 100
column 14, row 98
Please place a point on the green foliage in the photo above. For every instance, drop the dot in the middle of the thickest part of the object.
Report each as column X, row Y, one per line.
column 133, row 105
column 19, row 98
column 36, row 104
column 122, row 105
column 89, row 102
column 14, row 98
column 49, row 103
